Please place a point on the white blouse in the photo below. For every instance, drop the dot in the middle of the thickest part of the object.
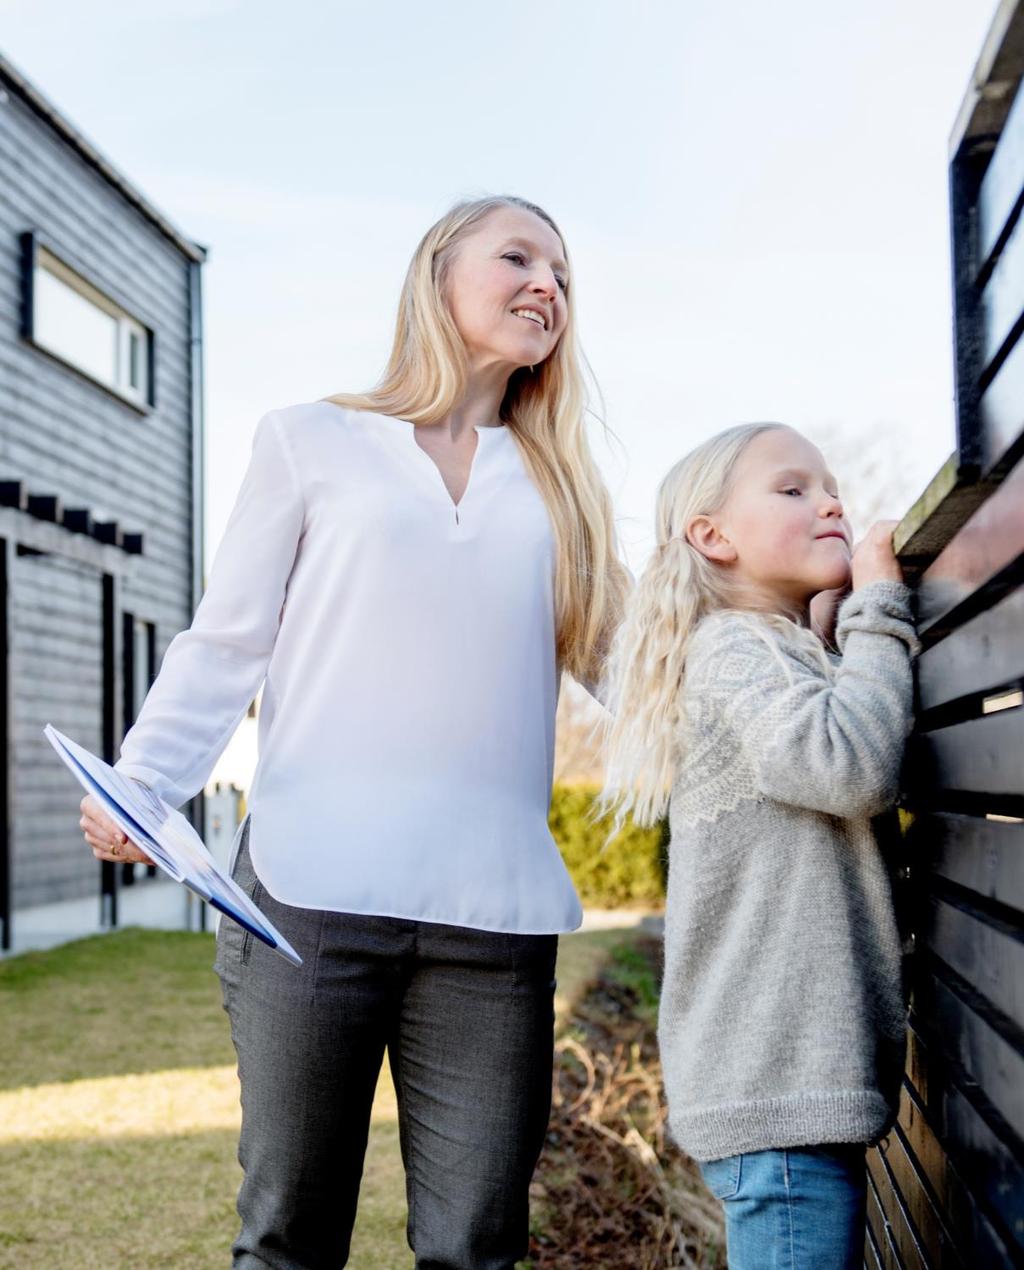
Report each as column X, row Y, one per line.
column 406, row 649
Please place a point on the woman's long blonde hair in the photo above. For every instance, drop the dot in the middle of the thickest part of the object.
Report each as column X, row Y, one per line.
column 679, row 587
column 544, row 408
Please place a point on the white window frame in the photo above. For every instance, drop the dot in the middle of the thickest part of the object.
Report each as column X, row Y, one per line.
column 126, row 327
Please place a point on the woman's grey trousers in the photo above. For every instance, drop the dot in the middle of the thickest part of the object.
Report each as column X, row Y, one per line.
column 466, row 1017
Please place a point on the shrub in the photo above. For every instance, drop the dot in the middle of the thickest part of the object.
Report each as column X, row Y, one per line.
column 629, row 871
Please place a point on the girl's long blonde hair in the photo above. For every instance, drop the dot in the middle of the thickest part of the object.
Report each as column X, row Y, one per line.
column 544, row 407
column 679, row 587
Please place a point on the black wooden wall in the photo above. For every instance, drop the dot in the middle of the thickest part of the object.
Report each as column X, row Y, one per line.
column 946, row 1189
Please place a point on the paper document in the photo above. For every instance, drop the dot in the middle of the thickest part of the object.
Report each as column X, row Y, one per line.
column 167, row 838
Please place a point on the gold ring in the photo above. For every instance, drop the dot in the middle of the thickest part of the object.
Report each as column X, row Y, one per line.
column 115, row 849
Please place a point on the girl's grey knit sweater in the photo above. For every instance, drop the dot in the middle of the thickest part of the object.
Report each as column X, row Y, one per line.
column 782, row 1019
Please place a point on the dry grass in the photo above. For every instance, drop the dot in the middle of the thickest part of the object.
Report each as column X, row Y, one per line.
column 611, row 1190
column 119, row 1109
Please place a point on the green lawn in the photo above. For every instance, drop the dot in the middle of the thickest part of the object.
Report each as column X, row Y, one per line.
column 119, row 1109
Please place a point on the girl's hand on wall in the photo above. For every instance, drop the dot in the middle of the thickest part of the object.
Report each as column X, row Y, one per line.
column 105, row 838
column 874, row 559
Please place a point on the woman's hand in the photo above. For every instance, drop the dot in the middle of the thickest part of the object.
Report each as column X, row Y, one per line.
column 874, row 559
column 105, row 838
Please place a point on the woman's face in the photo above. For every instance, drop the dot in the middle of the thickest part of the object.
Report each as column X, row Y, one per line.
column 784, row 533
column 506, row 290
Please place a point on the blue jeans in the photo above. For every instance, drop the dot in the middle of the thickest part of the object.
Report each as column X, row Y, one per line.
column 800, row 1209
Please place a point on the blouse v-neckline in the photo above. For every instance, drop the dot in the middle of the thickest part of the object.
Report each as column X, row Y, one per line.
column 469, row 474
column 426, row 462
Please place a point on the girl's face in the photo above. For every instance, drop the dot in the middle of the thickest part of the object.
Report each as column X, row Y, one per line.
column 782, row 532
column 506, row 290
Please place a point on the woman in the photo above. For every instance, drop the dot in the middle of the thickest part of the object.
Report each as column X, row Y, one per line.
column 406, row 571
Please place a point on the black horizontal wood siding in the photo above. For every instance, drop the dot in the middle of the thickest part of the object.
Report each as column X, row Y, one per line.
column 65, row 436
column 946, row 1188
column 57, row 676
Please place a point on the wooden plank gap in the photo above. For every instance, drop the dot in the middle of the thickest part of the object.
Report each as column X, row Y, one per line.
column 921, row 1135
column 1001, row 1023
column 960, row 1081
column 1002, row 701
column 1004, row 918
column 972, row 705
column 904, row 1212
column 996, row 588
column 944, row 1235
column 959, row 802
column 988, row 265
column 871, row 1250
column 887, row 1230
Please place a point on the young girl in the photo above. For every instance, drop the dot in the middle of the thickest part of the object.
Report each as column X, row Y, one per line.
column 782, row 1018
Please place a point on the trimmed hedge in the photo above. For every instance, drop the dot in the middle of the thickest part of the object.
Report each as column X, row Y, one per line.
column 630, row 871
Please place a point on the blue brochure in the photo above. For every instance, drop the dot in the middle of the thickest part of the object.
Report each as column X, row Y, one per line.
column 167, row 838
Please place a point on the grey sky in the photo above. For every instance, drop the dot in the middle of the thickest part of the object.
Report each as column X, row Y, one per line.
column 754, row 196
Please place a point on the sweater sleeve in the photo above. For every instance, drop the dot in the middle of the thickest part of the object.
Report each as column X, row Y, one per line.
column 211, row 672
column 830, row 743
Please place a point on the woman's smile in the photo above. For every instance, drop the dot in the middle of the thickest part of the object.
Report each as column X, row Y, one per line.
column 531, row 315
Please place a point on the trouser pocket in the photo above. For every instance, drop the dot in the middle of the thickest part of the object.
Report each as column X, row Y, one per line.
column 234, row 942
column 240, row 832
column 722, row 1177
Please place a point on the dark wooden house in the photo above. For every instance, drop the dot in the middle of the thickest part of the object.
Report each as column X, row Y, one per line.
column 946, row 1189
column 100, row 480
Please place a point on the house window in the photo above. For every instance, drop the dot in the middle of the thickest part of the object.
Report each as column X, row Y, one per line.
column 138, row 652
column 74, row 321
column 143, row 670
